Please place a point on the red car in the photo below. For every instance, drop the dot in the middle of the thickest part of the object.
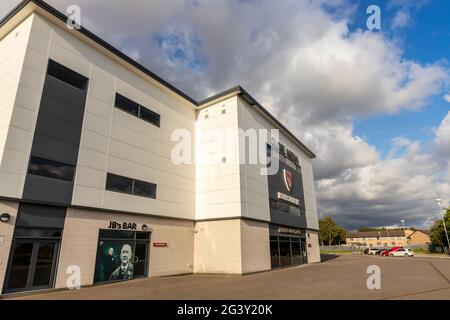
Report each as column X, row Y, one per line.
column 386, row 252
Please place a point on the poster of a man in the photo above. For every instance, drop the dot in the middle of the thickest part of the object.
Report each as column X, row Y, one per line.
column 110, row 263
column 125, row 270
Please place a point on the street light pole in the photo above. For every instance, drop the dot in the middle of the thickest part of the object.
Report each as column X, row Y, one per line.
column 404, row 232
column 443, row 222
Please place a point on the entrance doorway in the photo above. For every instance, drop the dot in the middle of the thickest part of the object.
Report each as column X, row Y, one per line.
column 287, row 251
column 32, row 265
column 34, row 251
column 121, row 255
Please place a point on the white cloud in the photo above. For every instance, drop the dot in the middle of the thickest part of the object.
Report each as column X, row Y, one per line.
column 401, row 19
column 338, row 150
column 386, row 192
column 306, row 66
column 443, row 136
column 447, row 97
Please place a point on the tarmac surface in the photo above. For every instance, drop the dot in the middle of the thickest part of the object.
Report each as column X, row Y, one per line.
column 337, row 277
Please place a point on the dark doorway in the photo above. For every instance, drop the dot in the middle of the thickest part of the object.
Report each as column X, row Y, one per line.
column 287, row 251
column 32, row 265
column 35, row 248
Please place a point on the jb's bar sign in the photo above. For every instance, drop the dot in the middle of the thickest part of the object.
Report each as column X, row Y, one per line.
column 122, row 226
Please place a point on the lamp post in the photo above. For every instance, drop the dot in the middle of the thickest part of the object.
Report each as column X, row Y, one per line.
column 404, row 232
column 439, row 201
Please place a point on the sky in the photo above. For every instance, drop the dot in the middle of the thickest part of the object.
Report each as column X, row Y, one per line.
column 374, row 105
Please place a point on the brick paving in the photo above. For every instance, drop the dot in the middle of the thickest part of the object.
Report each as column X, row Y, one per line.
column 342, row 277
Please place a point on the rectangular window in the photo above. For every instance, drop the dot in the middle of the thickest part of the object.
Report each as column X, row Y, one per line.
column 130, row 186
column 149, row 116
column 51, row 169
column 144, row 189
column 137, row 110
column 127, row 105
column 66, row 75
column 119, row 184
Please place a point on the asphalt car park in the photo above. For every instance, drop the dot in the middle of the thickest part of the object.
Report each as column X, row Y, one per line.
column 337, row 277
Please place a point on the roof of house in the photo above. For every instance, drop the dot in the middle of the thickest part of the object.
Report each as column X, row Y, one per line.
column 236, row 90
column 374, row 234
column 427, row 232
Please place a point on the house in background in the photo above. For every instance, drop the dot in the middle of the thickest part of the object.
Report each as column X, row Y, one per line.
column 374, row 239
column 388, row 238
column 418, row 236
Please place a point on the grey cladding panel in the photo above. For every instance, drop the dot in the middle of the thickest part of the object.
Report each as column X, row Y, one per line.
column 54, row 128
column 55, row 149
column 47, row 190
column 58, row 132
column 40, row 216
column 64, row 92
column 66, row 113
column 276, row 184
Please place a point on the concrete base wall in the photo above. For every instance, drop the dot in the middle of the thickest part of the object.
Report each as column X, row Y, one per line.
column 255, row 246
column 231, row 246
column 313, row 248
column 79, row 244
column 6, row 235
column 218, row 247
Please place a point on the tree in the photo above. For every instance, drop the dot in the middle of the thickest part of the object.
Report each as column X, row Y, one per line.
column 330, row 232
column 437, row 235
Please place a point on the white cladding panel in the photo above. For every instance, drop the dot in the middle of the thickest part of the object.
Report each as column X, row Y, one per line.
column 217, row 185
column 111, row 140
column 17, row 113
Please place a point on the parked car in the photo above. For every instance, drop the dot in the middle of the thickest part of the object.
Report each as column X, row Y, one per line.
column 366, row 251
column 388, row 251
column 373, row 251
column 401, row 252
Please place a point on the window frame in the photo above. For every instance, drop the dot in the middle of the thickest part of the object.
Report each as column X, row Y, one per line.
column 139, row 108
column 133, row 182
column 60, row 72
column 73, row 171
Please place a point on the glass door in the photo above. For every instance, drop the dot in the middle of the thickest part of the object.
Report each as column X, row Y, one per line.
column 285, row 252
column 296, row 251
column 140, row 260
column 304, row 251
column 32, row 265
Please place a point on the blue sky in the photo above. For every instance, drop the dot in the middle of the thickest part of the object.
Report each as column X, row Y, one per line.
column 426, row 39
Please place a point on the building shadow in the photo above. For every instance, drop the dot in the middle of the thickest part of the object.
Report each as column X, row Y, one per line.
column 326, row 256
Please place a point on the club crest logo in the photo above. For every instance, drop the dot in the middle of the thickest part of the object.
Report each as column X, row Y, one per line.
column 288, row 179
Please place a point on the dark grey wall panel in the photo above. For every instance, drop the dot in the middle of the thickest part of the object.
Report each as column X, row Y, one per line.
column 276, row 184
column 64, row 92
column 52, row 127
column 55, row 149
column 287, row 220
column 47, row 190
column 40, row 216
column 57, row 134
column 67, row 113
